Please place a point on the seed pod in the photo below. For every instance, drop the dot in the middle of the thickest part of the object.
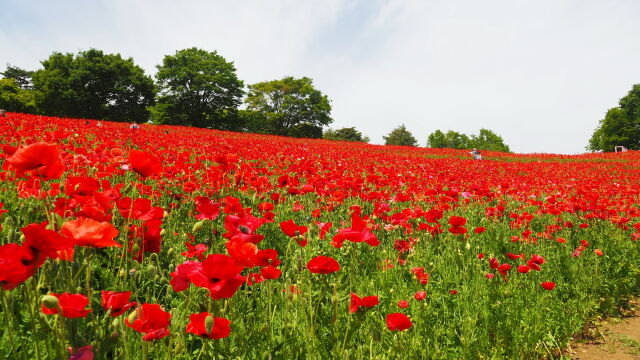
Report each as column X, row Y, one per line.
column 197, row 226
column 133, row 316
column 11, row 235
column 208, row 323
column 50, row 302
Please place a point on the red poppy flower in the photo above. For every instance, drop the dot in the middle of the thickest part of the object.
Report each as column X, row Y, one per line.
column 207, row 208
column 243, row 227
column 151, row 320
column 398, row 322
column 205, row 325
column 523, row 269
column 548, row 285
column 420, row 295
column 144, row 163
column 139, row 209
column 270, row 272
column 365, row 302
column 16, row 265
column 291, row 229
column 42, row 159
column 403, row 304
column 323, row 265
column 116, row 302
column 221, row 276
column 46, row 243
column 358, row 232
column 83, row 353
column 243, row 252
column 88, row 232
column 195, row 251
column 71, row 305
column 185, row 274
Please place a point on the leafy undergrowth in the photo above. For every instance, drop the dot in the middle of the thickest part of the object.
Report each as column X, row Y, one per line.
column 180, row 243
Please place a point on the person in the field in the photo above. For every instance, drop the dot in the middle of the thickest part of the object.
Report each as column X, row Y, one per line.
column 134, row 126
column 476, row 154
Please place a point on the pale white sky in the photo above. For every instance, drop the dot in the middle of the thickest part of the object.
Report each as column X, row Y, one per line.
column 540, row 73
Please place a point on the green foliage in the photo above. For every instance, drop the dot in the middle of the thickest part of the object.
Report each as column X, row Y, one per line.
column 289, row 107
column 14, row 98
column 620, row 126
column 345, row 134
column 400, row 136
column 198, row 88
column 93, row 85
column 21, row 76
column 485, row 140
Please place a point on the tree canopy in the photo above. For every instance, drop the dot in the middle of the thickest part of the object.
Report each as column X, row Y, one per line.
column 21, row 76
column 485, row 140
column 93, row 85
column 290, row 107
column 198, row 88
column 14, row 98
column 620, row 126
column 345, row 134
column 400, row 136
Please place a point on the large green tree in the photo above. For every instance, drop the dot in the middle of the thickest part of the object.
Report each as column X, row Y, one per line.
column 485, row 140
column 289, row 107
column 198, row 88
column 400, row 136
column 16, row 99
column 94, row 85
column 620, row 126
column 21, row 76
column 345, row 134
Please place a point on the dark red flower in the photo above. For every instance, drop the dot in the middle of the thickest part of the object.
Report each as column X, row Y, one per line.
column 548, row 285
column 71, row 305
column 88, row 232
column 365, row 302
column 116, row 302
column 83, row 353
column 398, row 322
column 144, row 163
column 221, row 276
column 270, row 272
column 41, row 159
column 46, row 243
column 205, row 325
column 291, row 229
column 323, row 265
column 207, row 208
column 150, row 320
column 16, row 265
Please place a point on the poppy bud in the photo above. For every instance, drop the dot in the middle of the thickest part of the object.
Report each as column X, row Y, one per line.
column 170, row 251
column 50, row 226
column 208, row 323
column 163, row 232
column 50, row 302
column 115, row 323
column 197, row 226
column 165, row 214
column 151, row 269
column 122, row 273
column 22, row 238
column 133, row 316
column 11, row 235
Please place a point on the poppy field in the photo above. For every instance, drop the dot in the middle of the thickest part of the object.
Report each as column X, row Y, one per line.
column 171, row 242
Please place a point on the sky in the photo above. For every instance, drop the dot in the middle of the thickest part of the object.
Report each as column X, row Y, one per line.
column 539, row 73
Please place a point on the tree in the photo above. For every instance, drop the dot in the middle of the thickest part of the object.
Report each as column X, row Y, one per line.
column 21, row 76
column 14, row 98
column 400, row 136
column 437, row 140
column 488, row 140
column 485, row 140
column 290, row 107
column 345, row 134
column 93, row 85
column 198, row 88
column 620, row 126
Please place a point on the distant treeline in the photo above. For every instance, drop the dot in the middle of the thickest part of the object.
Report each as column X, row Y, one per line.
column 192, row 87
